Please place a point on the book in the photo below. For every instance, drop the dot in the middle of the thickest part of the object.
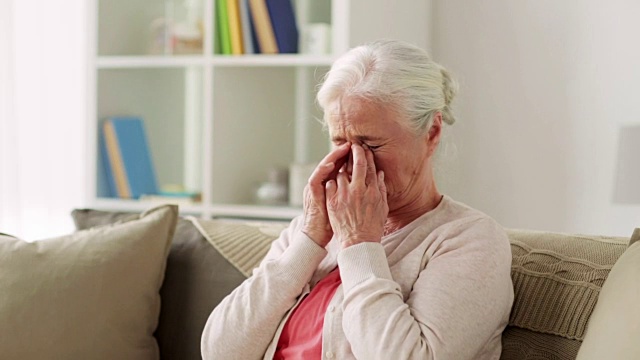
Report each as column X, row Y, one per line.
column 129, row 158
column 263, row 27
column 283, row 20
column 114, row 161
column 109, row 179
column 222, row 20
column 252, row 25
column 247, row 40
column 235, row 27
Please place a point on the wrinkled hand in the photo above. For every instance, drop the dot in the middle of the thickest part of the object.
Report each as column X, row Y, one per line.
column 358, row 206
column 316, row 219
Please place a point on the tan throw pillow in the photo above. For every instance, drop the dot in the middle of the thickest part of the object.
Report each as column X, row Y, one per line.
column 197, row 278
column 93, row 294
column 613, row 331
column 231, row 239
column 557, row 279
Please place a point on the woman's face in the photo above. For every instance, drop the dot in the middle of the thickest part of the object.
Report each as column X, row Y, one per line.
column 404, row 157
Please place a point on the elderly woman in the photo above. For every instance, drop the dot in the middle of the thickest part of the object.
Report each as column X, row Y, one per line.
column 380, row 265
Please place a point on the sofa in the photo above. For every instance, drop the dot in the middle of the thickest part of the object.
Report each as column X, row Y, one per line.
column 557, row 280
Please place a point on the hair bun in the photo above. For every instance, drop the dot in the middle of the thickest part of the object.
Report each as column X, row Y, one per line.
column 449, row 89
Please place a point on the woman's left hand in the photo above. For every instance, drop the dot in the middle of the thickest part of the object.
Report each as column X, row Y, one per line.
column 358, row 207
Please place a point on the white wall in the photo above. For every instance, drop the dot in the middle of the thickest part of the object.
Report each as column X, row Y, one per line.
column 545, row 87
column 42, row 125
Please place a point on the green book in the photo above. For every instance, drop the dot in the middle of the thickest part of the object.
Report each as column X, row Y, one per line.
column 224, row 35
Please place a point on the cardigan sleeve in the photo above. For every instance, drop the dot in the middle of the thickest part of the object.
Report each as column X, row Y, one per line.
column 459, row 302
column 244, row 323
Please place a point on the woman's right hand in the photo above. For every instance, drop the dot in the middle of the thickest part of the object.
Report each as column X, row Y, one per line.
column 316, row 218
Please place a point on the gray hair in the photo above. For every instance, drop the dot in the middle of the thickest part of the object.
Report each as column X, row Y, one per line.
column 394, row 73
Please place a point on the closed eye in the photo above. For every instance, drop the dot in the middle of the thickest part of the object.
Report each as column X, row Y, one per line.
column 374, row 148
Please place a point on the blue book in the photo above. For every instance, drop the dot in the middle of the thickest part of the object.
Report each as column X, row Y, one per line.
column 283, row 21
column 129, row 157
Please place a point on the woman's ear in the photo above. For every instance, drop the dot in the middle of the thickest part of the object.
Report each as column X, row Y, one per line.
column 433, row 135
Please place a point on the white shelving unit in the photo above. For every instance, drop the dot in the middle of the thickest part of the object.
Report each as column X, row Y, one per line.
column 217, row 123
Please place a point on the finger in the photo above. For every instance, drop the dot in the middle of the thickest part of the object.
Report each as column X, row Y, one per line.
column 329, row 164
column 342, row 155
column 371, row 178
column 341, row 165
column 320, row 173
column 381, row 185
column 343, row 180
column 337, row 153
column 332, row 188
column 316, row 193
column 359, row 172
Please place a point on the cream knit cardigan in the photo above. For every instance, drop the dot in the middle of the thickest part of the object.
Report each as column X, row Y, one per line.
column 439, row 288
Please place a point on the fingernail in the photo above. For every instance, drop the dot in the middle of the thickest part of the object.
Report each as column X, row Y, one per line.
column 381, row 175
column 364, row 146
column 329, row 184
column 329, row 165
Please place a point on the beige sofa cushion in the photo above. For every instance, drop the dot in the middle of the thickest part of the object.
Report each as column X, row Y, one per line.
column 93, row 294
column 557, row 279
column 196, row 279
column 614, row 326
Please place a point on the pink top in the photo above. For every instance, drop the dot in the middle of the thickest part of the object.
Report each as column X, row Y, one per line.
column 301, row 336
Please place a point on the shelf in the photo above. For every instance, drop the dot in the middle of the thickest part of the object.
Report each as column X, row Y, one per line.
column 127, row 62
column 273, row 60
column 255, row 211
column 108, row 204
column 222, row 210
